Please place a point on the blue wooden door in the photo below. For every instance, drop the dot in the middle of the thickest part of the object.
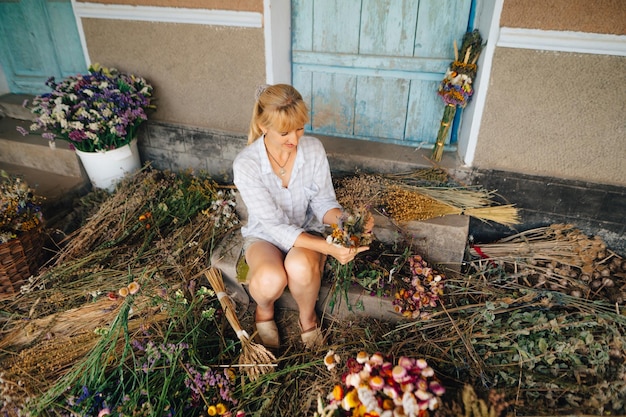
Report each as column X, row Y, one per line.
column 370, row 69
column 38, row 40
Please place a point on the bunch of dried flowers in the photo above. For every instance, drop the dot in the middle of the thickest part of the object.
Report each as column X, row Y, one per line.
column 373, row 386
column 421, row 289
column 19, row 207
column 349, row 232
column 97, row 111
column 456, row 87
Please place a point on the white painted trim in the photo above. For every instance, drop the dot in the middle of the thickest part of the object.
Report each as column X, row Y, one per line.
column 468, row 137
column 563, row 41
column 4, row 84
column 81, row 35
column 168, row 14
column 277, row 30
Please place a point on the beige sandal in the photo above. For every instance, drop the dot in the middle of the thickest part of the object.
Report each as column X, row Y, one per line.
column 313, row 337
column 267, row 331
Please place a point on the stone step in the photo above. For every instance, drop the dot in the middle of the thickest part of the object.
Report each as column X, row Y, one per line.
column 12, row 106
column 33, row 151
column 55, row 175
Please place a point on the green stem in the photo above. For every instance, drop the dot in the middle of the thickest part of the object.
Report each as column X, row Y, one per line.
column 444, row 128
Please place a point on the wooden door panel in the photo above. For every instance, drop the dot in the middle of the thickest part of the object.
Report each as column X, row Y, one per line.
column 67, row 44
column 421, row 120
column 333, row 103
column 439, row 23
column 336, row 26
column 39, row 40
column 381, row 107
column 25, row 52
column 385, row 58
column 388, row 28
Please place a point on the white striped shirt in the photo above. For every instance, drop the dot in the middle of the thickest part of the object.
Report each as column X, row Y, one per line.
column 277, row 214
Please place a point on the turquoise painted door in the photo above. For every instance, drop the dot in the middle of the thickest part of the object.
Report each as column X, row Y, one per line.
column 38, row 40
column 370, row 68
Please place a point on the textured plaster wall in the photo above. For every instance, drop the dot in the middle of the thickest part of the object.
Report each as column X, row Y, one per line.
column 203, row 76
column 238, row 5
column 593, row 16
column 555, row 114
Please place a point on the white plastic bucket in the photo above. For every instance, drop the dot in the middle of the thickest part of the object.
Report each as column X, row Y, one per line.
column 105, row 169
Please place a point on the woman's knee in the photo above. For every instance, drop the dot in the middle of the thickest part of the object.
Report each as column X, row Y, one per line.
column 305, row 267
column 267, row 281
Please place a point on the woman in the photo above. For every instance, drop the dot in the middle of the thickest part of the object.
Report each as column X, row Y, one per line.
column 284, row 180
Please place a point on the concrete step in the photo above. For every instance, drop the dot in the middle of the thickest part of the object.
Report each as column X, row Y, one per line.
column 56, row 175
column 351, row 155
column 12, row 106
column 33, row 151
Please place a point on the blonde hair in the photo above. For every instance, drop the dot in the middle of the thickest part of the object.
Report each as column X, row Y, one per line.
column 280, row 107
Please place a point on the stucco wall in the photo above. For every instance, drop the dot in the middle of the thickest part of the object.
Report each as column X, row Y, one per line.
column 238, row 5
column 203, row 75
column 593, row 16
column 557, row 114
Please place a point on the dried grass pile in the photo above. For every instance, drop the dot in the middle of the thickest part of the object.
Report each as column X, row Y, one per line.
column 527, row 346
column 155, row 232
column 122, row 313
column 527, row 320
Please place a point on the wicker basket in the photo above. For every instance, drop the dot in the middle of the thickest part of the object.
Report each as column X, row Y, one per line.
column 19, row 259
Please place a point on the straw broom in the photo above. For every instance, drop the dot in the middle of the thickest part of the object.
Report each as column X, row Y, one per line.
column 255, row 358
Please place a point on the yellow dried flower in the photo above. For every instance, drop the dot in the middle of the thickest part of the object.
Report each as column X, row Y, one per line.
column 133, row 288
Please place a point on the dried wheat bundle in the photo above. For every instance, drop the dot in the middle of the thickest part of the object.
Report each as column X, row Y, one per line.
column 421, row 203
column 405, row 202
column 61, row 341
column 558, row 242
column 461, row 197
column 85, row 318
column 506, row 215
column 419, row 176
column 404, row 205
column 255, row 359
column 63, row 324
column 33, row 370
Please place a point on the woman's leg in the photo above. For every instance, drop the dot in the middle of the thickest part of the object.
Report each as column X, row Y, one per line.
column 304, row 277
column 267, row 277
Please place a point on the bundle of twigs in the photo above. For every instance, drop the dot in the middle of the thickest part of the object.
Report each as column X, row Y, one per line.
column 255, row 359
column 558, row 257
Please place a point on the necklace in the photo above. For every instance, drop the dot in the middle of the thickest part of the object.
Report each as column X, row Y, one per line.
column 281, row 171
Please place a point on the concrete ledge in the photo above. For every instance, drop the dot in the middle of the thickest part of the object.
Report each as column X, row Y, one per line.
column 440, row 240
column 11, row 105
column 33, row 151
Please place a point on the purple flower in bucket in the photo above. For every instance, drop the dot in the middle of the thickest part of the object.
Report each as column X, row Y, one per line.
column 98, row 111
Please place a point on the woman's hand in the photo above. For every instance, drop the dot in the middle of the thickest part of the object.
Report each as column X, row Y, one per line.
column 343, row 254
